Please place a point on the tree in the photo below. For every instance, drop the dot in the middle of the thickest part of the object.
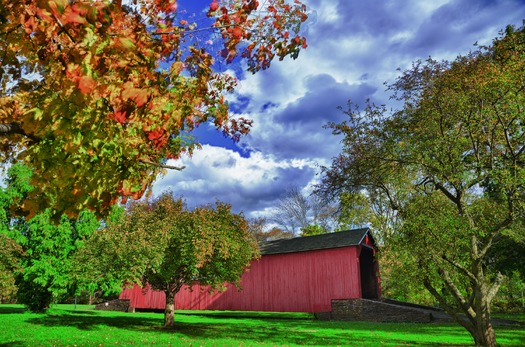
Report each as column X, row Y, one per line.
column 258, row 228
column 96, row 96
column 452, row 164
column 296, row 211
column 10, row 254
column 162, row 244
column 38, row 250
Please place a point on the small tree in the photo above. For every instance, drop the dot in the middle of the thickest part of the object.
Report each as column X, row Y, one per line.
column 10, row 254
column 296, row 211
column 163, row 244
column 38, row 249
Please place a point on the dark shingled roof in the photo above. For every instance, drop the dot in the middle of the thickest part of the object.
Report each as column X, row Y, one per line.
column 309, row 243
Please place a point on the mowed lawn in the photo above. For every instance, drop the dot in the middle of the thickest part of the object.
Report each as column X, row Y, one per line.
column 64, row 325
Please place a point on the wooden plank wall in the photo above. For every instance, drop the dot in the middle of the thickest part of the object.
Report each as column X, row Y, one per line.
column 294, row 282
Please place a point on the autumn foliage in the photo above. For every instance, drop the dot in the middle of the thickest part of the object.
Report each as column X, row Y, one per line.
column 96, row 96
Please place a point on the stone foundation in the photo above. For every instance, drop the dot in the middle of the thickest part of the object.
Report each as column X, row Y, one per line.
column 377, row 311
column 114, row 305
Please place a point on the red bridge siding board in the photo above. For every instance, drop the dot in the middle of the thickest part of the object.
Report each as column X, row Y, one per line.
column 291, row 282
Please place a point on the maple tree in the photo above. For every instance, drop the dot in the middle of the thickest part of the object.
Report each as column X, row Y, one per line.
column 451, row 163
column 164, row 245
column 96, row 96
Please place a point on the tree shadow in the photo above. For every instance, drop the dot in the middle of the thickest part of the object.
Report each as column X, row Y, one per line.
column 254, row 327
column 11, row 310
column 250, row 315
column 85, row 320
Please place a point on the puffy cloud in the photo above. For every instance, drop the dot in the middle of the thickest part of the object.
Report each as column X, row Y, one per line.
column 250, row 184
column 295, row 129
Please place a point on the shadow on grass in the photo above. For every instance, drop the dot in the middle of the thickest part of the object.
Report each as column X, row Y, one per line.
column 11, row 310
column 92, row 321
column 253, row 327
column 250, row 315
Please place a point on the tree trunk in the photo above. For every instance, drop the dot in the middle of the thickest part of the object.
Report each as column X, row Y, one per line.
column 169, row 311
column 484, row 335
column 474, row 318
column 483, row 332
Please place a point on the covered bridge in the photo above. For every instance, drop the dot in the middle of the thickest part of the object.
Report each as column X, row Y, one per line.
column 302, row 274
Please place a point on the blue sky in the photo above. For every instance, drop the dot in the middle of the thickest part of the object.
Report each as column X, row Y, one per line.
column 354, row 47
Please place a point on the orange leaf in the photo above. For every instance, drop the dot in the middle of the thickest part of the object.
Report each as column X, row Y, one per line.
column 140, row 96
column 86, row 84
column 74, row 17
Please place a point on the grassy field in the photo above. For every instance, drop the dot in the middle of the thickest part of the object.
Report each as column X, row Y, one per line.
column 64, row 325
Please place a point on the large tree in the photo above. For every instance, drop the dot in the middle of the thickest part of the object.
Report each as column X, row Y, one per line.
column 95, row 96
column 162, row 244
column 452, row 163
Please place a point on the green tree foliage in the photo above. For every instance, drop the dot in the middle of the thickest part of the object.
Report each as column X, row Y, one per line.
column 452, row 164
column 38, row 251
column 47, row 265
column 162, row 244
column 312, row 229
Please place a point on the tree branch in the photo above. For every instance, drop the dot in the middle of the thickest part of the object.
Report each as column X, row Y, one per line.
column 15, row 128
column 494, row 287
column 497, row 230
column 460, row 268
column 163, row 166
column 464, row 304
column 443, row 302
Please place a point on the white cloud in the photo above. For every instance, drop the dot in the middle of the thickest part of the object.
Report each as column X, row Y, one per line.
column 249, row 184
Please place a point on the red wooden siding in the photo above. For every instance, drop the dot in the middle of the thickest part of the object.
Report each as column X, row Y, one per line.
column 289, row 282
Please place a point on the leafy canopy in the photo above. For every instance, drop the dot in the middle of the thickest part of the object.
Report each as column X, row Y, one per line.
column 96, row 96
column 163, row 244
column 35, row 257
column 452, row 164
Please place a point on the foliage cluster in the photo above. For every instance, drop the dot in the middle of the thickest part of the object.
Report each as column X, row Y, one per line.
column 95, row 96
column 36, row 255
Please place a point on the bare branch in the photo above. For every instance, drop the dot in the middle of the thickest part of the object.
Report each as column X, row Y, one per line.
column 493, row 290
column 443, row 302
column 453, row 289
column 495, row 232
column 163, row 166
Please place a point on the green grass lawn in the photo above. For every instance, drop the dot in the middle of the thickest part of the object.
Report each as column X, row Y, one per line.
column 64, row 325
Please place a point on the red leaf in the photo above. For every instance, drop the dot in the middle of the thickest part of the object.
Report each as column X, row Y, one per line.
column 86, row 84
column 237, row 32
column 119, row 116
column 74, row 17
column 155, row 134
